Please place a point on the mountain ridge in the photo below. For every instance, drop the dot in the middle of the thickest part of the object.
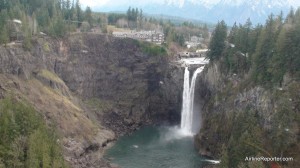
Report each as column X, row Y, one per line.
column 230, row 11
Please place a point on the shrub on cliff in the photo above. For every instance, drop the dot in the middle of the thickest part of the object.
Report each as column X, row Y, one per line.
column 25, row 139
column 152, row 49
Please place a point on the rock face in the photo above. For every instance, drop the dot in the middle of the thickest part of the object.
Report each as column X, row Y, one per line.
column 234, row 114
column 90, row 84
column 117, row 71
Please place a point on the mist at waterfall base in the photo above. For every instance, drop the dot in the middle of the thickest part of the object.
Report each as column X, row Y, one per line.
column 164, row 147
column 156, row 147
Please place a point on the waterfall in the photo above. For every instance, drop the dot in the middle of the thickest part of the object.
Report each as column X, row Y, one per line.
column 187, row 112
column 185, row 101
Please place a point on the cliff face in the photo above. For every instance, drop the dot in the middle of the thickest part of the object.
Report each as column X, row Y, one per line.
column 87, row 85
column 239, row 120
column 119, row 74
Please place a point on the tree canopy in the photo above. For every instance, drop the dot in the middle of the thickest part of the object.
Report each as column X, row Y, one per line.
column 267, row 52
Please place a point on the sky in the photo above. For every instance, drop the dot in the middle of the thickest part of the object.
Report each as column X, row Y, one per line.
column 110, row 3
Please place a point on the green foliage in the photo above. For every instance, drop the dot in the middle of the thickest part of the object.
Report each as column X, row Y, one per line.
column 264, row 52
column 46, row 47
column 88, row 16
column 57, row 28
column 3, row 4
column 4, row 35
column 112, row 18
column 134, row 16
column 25, row 139
column 265, row 55
column 284, row 119
column 27, row 41
column 245, row 137
column 242, row 44
column 217, row 43
column 267, row 52
column 224, row 159
column 3, row 28
column 52, row 17
column 102, row 105
column 152, row 49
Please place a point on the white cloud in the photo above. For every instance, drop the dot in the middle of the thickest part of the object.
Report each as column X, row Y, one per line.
column 295, row 3
column 101, row 3
column 180, row 3
column 93, row 3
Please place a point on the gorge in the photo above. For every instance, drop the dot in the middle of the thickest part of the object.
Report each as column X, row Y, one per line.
column 73, row 95
column 166, row 146
column 93, row 89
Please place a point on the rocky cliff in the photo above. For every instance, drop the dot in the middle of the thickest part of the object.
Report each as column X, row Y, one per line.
column 92, row 88
column 240, row 119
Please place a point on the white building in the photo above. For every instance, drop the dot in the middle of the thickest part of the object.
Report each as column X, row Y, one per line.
column 150, row 36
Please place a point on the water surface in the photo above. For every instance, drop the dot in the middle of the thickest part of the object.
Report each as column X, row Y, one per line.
column 155, row 147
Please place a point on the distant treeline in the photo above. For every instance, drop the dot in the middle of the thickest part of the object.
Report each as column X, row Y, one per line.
column 53, row 17
column 58, row 17
column 174, row 33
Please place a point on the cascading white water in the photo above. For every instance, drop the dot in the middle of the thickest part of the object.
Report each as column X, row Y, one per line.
column 185, row 101
column 187, row 112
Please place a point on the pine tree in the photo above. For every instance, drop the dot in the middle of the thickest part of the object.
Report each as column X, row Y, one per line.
column 79, row 15
column 141, row 19
column 224, row 157
column 278, row 66
column 264, row 52
column 3, row 28
column 217, row 43
column 88, row 16
column 3, row 5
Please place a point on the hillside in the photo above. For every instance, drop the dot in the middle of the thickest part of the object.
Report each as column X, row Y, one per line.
column 89, row 89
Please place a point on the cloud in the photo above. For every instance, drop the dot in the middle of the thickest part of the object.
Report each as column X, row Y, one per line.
column 180, row 3
column 111, row 3
column 295, row 3
column 94, row 3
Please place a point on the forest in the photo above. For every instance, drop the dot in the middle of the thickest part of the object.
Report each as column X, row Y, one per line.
column 52, row 17
column 266, row 52
column 262, row 57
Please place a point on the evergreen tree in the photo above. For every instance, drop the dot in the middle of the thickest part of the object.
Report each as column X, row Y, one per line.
column 88, row 16
column 224, row 159
column 264, row 52
column 25, row 139
column 3, row 28
column 217, row 43
column 129, row 13
column 141, row 17
column 3, row 4
column 233, row 34
column 290, row 17
column 79, row 15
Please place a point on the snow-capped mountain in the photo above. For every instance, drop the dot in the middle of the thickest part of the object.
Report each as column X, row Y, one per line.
column 209, row 10
column 253, row 3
